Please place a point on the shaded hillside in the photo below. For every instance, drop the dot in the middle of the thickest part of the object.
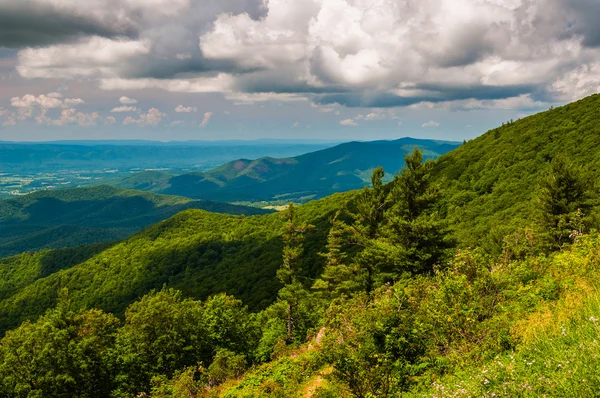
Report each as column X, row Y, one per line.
column 72, row 217
column 198, row 252
column 313, row 175
column 491, row 182
column 145, row 180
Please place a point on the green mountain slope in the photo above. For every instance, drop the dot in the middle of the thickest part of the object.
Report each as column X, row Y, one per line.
column 313, row 175
column 145, row 180
column 491, row 181
column 198, row 252
column 72, row 217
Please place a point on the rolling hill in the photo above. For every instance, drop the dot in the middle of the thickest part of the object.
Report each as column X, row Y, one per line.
column 491, row 182
column 313, row 175
column 72, row 217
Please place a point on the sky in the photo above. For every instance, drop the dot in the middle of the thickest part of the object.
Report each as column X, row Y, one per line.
column 302, row 69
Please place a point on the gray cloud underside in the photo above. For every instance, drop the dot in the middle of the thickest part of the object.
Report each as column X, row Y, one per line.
column 437, row 94
column 28, row 24
column 338, row 69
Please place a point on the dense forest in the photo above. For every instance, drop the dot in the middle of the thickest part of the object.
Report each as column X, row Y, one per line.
column 79, row 216
column 471, row 275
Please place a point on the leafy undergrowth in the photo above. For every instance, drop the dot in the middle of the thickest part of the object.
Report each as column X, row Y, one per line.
column 559, row 350
column 529, row 327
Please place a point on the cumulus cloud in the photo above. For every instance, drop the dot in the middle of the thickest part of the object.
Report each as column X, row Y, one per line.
column 206, row 119
column 71, row 116
column 127, row 101
column 357, row 53
column 152, row 118
column 29, row 101
column 431, row 123
column 124, row 109
column 185, row 109
column 348, row 122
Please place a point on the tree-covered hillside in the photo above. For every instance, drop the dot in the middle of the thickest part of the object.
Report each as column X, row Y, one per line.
column 73, row 217
column 198, row 252
column 492, row 181
column 313, row 175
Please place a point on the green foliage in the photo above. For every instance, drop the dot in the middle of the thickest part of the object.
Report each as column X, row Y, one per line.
column 414, row 237
column 339, row 276
column 490, row 181
column 293, row 292
column 63, row 354
column 162, row 333
column 81, row 216
column 564, row 202
column 199, row 253
column 375, row 346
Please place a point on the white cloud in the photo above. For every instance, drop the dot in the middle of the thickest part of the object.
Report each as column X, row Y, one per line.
column 177, row 122
column 252, row 98
column 30, row 101
column 431, row 123
column 206, row 119
column 127, row 101
column 348, row 122
column 31, row 106
column 125, row 109
column 152, row 118
column 185, row 109
column 110, row 120
column 296, row 125
column 74, row 101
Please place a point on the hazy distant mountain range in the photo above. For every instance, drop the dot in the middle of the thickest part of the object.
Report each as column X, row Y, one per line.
column 52, row 156
column 340, row 168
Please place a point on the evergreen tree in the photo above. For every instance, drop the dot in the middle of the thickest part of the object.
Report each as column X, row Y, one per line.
column 564, row 202
column 371, row 206
column 293, row 292
column 414, row 238
column 339, row 277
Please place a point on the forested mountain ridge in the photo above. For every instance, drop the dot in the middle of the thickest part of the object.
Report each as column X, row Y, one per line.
column 72, row 217
column 313, row 175
column 199, row 252
column 491, row 182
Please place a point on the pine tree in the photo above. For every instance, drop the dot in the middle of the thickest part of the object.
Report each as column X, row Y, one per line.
column 563, row 202
column 338, row 278
column 293, row 291
column 414, row 238
column 368, row 218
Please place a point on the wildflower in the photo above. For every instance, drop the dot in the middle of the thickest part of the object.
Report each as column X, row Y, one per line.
column 593, row 319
